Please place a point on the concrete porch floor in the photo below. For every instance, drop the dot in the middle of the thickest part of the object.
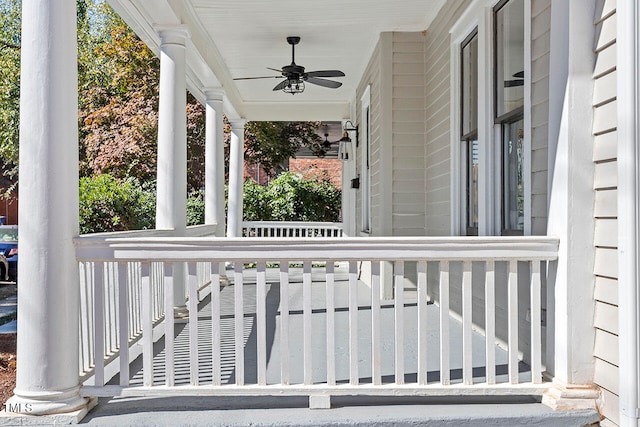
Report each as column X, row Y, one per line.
column 346, row 410
column 274, row 411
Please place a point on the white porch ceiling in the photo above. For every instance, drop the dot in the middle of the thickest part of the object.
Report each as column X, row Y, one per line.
column 240, row 38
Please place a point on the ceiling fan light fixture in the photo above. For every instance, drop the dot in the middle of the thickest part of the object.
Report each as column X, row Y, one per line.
column 293, row 86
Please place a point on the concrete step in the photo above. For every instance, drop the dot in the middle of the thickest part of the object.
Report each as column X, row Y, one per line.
column 279, row 411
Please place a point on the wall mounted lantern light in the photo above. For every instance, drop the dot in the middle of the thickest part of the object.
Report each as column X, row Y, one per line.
column 345, row 141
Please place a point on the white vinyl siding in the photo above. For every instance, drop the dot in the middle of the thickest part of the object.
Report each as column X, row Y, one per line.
column 371, row 79
column 437, row 111
column 540, row 32
column 605, row 185
column 408, row 135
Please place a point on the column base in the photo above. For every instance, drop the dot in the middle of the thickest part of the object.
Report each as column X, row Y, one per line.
column 67, row 402
column 571, row 397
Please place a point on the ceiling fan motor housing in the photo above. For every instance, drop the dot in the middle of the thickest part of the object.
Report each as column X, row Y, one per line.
column 293, row 40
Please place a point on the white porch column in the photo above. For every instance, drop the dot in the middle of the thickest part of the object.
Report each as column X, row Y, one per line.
column 571, row 201
column 214, row 161
column 48, row 294
column 171, row 207
column 236, row 178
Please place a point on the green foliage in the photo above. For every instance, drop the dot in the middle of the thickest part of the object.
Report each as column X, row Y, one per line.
column 108, row 204
column 9, row 85
column 254, row 203
column 291, row 198
column 119, row 78
column 195, row 208
column 271, row 144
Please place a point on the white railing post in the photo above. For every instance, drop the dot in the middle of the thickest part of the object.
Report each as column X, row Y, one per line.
column 571, row 177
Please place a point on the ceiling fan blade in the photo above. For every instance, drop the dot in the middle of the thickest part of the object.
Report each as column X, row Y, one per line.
column 255, row 78
column 280, row 85
column 324, row 83
column 274, row 69
column 325, row 73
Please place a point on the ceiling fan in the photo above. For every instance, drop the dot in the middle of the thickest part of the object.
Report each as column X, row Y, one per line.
column 295, row 76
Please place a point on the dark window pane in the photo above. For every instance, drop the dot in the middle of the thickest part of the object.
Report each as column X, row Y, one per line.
column 513, row 176
column 509, row 48
column 472, row 188
column 470, row 86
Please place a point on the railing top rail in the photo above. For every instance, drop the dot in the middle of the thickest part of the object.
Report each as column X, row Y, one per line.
column 201, row 230
column 291, row 224
column 91, row 248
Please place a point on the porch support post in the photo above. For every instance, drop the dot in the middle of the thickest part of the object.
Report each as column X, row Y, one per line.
column 236, row 178
column 214, row 161
column 571, row 281
column 48, row 295
column 171, row 207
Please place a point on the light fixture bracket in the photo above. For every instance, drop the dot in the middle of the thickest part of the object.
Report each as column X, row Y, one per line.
column 349, row 127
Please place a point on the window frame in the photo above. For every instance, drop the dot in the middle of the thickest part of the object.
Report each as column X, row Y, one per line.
column 504, row 120
column 480, row 14
column 467, row 139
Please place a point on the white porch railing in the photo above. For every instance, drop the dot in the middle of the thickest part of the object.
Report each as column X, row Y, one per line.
column 102, row 313
column 297, row 345
column 291, row 229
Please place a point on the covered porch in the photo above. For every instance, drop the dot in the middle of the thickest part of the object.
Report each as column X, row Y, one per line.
column 203, row 311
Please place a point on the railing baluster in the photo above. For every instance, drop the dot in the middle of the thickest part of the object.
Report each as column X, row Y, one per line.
column 490, row 321
column 124, row 324
column 239, row 321
column 331, row 328
column 215, row 324
column 398, row 279
column 110, row 312
column 147, row 328
column 512, row 296
column 284, row 315
column 261, row 320
column 169, row 324
column 353, row 323
column 192, row 290
column 536, row 324
column 85, row 318
column 445, row 377
column 422, row 322
column 467, row 349
column 376, row 357
column 306, row 320
column 137, row 289
column 98, row 313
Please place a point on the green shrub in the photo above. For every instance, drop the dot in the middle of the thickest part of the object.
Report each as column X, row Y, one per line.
column 291, row 198
column 254, row 203
column 195, row 208
column 108, row 204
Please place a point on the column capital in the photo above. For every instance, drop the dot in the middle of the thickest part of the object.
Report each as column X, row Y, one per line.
column 172, row 34
column 214, row 93
column 237, row 124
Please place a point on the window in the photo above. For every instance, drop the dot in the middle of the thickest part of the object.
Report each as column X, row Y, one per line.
column 469, row 128
column 490, row 95
column 508, row 18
